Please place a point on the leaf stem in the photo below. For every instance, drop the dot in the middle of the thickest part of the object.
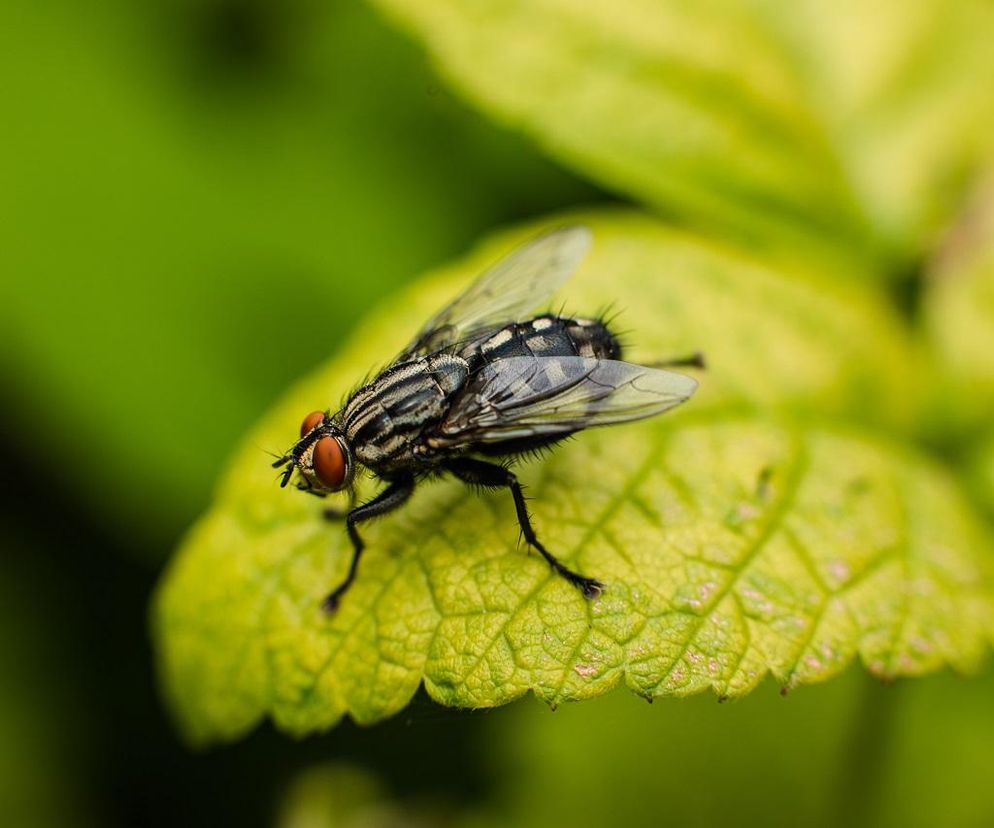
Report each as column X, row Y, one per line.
column 865, row 754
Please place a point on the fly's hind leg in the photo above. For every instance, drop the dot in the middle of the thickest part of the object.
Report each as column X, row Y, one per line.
column 389, row 499
column 694, row 360
column 493, row 476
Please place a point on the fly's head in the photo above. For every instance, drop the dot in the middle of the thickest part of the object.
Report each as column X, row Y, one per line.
column 322, row 455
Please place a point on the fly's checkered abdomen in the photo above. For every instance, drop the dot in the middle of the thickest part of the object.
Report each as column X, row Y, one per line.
column 592, row 339
column 545, row 336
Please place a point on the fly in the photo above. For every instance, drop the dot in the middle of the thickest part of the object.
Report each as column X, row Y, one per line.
column 483, row 379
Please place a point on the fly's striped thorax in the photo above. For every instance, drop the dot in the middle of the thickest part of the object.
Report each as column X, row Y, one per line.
column 545, row 336
column 383, row 420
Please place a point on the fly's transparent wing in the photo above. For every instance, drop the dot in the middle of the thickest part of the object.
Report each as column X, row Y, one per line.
column 535, row 396
column 509, row 291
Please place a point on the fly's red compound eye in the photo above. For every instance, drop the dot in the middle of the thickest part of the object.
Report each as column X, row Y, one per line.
column 311, row 420
column 329, row 462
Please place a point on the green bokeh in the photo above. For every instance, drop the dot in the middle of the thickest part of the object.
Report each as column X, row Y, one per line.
column 850, row 752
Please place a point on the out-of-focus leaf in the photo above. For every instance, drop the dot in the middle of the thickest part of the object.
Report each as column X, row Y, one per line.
column 959, row 318
column 980, row 469
column 335, row 796
column 39, row 737
column 827, row 127
column 732, row 543
column 932, row 768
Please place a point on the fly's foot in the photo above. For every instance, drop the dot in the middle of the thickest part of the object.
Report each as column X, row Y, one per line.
column 329, row 606
column 590, row 587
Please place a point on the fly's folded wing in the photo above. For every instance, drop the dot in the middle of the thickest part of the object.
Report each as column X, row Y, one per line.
column 509, row 291
column 528, row 396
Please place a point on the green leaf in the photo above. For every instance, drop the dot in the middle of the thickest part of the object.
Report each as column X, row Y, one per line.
column 734, row 541
column 337, row 796
column 959, row 318
column 811, row 125
column 980, row 469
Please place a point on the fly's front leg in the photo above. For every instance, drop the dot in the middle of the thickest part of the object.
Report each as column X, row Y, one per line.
column 493, row 476
column 386, row 501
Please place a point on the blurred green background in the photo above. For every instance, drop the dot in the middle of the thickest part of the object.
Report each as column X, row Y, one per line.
column 198, row 199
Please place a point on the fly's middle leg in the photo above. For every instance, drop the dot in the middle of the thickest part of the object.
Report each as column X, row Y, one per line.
column 493, row 476
column 386, row 501
column 337, row 513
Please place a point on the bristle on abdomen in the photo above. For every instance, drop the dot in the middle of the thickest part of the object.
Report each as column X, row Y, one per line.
column 546, row 336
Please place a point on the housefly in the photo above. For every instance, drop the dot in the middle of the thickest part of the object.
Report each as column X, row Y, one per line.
column 484, row 379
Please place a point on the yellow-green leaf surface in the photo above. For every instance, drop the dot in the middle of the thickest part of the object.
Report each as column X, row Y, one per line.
column 822, row 125
column 733, row 540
